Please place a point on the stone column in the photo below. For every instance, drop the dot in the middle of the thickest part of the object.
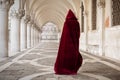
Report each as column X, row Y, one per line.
column 22, row 31
column 29, row 35
column 32, row 41
column 101, row 5
column 86, row 29
column 34, row 36
column 4, row 8
column 15, row 31
column 37, row 36
column 27, row 19
column 26, row 33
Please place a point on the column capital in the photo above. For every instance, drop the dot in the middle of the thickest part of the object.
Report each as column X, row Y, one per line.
column 14, row 14
column 31, row 22
column 27, row 19
column 34, row 24
column 37, row 28
column 17, row 14
column 101, row 4
column 21, row 13
column 6, row 4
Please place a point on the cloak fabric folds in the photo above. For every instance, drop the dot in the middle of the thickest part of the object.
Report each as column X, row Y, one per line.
column 69, row 59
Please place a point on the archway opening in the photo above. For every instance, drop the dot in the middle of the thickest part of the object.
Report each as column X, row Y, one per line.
column 49, row 32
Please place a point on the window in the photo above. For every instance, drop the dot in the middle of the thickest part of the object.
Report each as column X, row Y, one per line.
column 94, row 14
column 115, row 12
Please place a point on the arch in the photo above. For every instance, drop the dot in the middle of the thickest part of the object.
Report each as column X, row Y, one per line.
column 42, row 7
column 49, row 31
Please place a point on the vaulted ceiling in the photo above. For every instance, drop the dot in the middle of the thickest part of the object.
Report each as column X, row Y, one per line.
column 43, row 11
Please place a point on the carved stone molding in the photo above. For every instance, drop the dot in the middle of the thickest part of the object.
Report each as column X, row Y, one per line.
column 31, row 22
column 21, row 13
column 34, row 25
column 37, row 28
column 17, row 13
column 27, row 19
column 101, row 4
column 14, row 14
column 6, row 4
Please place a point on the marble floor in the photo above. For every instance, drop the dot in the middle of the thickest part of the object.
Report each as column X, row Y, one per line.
column 37, row 64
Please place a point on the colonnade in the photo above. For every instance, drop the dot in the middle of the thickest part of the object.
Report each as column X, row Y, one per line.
column 23, row 34
column 101, row 29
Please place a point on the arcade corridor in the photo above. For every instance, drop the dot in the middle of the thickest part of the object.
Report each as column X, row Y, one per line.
column 37, row 64
column 30, row 32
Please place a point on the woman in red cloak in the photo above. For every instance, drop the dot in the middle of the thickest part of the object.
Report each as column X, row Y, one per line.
column 69, row 59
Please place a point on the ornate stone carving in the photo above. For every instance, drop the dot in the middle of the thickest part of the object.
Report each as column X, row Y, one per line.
column 37, row 28
column 5, row 4
column 21, row 13
column 101, row 4
column 31, row 21
column 13, row 13
column 17, row 14
column 27, row 19
column 34, row 24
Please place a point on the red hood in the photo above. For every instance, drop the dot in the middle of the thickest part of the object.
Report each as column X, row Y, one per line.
column 70, row 15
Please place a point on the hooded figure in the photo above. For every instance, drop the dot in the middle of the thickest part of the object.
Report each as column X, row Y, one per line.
column 69, row 60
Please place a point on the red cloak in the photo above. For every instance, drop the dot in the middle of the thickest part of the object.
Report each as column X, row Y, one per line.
column 69, row 60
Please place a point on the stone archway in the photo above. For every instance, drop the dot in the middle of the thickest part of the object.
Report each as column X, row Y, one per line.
column 49, row 32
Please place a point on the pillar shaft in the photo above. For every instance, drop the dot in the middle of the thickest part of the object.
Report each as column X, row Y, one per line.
column 37, row 37
column 34, row 36
column 29, row 35
column 15, row 34
column 86, row 29
column 4, row 8
column 22, row 29
column 32, row 41
column 23, row 35
column 101, row 5
column 3, row 33
column 27, row 19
